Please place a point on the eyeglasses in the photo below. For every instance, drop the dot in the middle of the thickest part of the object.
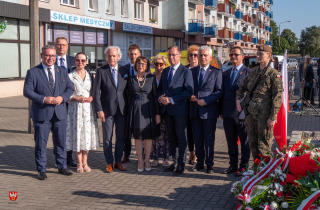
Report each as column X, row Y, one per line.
column 49, row 56
column 236, row 55
column 159, row 64
column 141, row 64
column 193, row 55
column 82, row 61
column 172, row 55
column 62, row 45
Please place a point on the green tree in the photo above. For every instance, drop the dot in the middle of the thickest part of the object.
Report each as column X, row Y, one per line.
column 284, row 45
column 3, row 26
column 274, row 37
column 310, row 41
column 292, row 40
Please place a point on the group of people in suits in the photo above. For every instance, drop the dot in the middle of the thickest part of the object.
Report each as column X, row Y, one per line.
column 164, row 112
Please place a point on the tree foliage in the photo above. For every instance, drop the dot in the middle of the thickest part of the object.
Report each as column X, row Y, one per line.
column 274, row 38
column 310, row 41
column 292, row 40
column 3, row 26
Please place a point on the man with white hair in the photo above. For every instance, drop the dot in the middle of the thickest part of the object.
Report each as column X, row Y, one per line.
column 111, row 105
column 204, row 108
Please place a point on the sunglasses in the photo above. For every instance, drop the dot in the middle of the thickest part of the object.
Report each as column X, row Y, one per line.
column 159, row 64
column 83, row 60
column 236, row 55
column 193, row 55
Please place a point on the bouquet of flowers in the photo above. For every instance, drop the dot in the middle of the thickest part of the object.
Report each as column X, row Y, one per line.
column 290, row 179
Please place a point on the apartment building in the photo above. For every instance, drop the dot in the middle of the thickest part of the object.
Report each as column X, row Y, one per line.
column 220, row 24
column 89, row 26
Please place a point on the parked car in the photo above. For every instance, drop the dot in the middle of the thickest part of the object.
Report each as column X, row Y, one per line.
column 291, row 63
column 314, row 61
column 227, row 65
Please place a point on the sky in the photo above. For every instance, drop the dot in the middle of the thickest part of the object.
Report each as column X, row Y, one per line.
column 301, row 13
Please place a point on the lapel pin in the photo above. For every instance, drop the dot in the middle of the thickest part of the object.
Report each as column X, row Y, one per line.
column 57, row 70
column 63, row 80
column 240, row 72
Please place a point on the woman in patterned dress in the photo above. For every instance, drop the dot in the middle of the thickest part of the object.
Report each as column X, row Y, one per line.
column 82, row 126
column 160, row 146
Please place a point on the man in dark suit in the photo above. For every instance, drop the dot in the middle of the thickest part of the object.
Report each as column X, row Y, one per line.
column 175, row 88
column 66, row 62
column 204, row 108
column 48, row 87
column 111, row 106
column 63, row 59
column 233, row 127
column 133, row 54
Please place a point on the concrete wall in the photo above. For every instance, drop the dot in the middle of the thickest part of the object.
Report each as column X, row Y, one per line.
column 11, row 88
column 174, row 15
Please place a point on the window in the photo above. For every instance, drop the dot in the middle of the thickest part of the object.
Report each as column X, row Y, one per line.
column 153, row 14
column 91, row 4
column 124, row 8
column 213, row 19
column 68, row 2
column 109, row 6
column 191, row 13
column 138, row 10
column 207, row 19
column 220, row 22
column 199, row 15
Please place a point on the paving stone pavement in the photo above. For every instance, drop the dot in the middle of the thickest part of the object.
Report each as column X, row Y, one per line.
column 118, row 190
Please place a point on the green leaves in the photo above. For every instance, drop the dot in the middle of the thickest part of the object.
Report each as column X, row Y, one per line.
column 310, row 41
column 3, row 26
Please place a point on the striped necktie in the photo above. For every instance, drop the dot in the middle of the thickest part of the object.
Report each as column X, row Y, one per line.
column 51, row 81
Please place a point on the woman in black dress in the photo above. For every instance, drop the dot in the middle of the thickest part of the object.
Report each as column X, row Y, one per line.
column 143, row 114
column 308, row 79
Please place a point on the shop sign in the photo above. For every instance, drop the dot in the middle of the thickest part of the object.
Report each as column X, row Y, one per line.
column 62, row 17
column 137, row 28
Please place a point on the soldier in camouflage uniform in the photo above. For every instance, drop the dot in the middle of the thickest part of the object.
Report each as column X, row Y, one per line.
column 266, row 104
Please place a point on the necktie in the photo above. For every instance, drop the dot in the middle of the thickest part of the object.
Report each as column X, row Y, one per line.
column 62, row 63
column 114, row 74
column 202, row 72
column 233, row 75
column 51, row 81
column 170, row 76
column 131, row 70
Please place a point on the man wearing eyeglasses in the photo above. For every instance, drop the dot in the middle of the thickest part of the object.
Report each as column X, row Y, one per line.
column 233, row 127
column 133, row 54
column 48, row 87
column 174, row 90
column 66, row 62
column 63, row 59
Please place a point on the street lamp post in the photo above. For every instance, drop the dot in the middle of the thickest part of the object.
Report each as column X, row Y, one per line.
column 288, row 21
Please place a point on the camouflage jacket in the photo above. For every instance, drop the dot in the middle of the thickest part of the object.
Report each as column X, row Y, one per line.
column 267, row 94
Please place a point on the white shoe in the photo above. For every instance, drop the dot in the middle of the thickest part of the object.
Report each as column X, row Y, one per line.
column 147, row 169
column 141, row 170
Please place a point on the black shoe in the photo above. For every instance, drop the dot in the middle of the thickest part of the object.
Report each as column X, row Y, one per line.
column 196, row 168
column 42, row 175
column 72, row 163
column 65, row 171
column 210, row 170
column 230, row 170
column 170, row 168
column 179, row 170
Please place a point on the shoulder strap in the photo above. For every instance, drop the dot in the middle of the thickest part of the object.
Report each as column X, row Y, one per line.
column 258, row 79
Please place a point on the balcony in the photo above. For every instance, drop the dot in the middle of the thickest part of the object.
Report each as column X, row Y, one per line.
column 238, row 15
column 262, row 9
column 256, row 6
column 255, row 40
column 267, row 28
column 211, row 5
column 247, row 18
column 224, row 33
column 231, row 11
column 260, row 41
column 271, row 15
column 270, row 2
column 224, row 8
column 250, row 3
column 238, row 35
column 197, row 2
column 270, row 29
column 196, row 27
column 210, row 30
column 270, row 43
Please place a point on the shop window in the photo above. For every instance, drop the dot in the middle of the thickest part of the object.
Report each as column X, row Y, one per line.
column 101, row 57
column 24, row 30
column 109, row 6
column 153, row 14
column 10, row 52
column 91, row 54
column 138, row 10
column 68, row 2
column 124, row 8
column 170, row 42
column 74, row 50
column 25, row 59
column 11, row 31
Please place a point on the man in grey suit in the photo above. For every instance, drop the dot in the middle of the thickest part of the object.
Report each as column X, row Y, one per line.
column 111, row 105
column 133, row 54
column 48, row 87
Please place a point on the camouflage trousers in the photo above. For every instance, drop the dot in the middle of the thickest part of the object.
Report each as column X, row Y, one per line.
column 259, row 135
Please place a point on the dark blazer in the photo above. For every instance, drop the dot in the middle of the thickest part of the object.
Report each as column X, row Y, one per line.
column 107, row 100
column 228, row 102
column 70, row 62
column 180, row 90
column 37, row 87
column 210, row 92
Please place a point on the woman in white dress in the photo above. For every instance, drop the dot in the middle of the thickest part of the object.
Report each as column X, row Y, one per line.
column 82, row 126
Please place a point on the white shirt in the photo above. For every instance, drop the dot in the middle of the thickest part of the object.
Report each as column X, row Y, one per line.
column 174, row 69
column 65, row 60
column 46, row 71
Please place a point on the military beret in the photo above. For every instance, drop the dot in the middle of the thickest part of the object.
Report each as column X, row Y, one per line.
column 265, row 48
